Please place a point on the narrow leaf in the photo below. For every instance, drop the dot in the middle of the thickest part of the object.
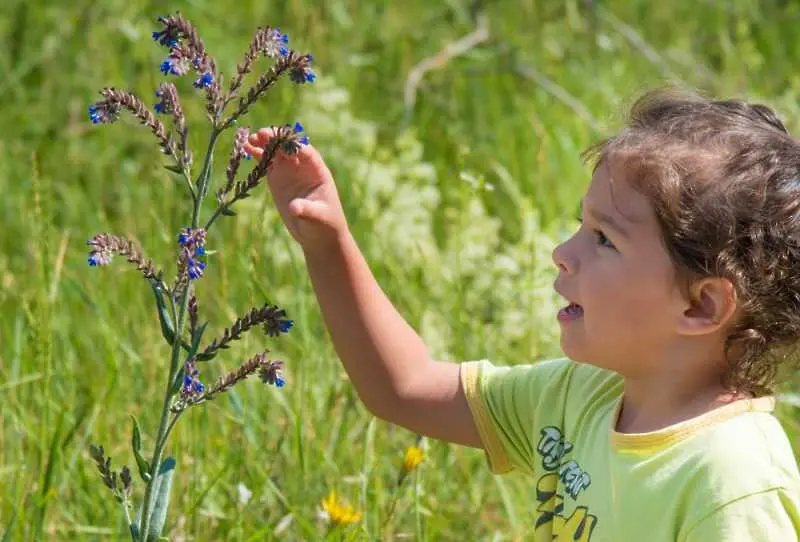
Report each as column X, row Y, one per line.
column 136, row 444
column 178, row 382
column 226, row 211
column 198, row 336
column 174, row 168
column 164, row 484
column 167, row 329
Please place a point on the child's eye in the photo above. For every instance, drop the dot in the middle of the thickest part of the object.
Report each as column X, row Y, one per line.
column 602, row 240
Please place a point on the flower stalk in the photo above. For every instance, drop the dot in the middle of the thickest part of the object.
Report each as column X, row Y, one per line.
column 177, row 306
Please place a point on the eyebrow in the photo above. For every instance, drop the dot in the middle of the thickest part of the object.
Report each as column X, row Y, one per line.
column 606, row 219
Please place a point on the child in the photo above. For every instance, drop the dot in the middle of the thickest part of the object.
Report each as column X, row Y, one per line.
column 683, row 292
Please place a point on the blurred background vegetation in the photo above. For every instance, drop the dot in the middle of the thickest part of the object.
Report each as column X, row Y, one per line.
column 458, row 173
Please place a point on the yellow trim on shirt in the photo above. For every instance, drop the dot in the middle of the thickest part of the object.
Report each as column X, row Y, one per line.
column 647, row 442
column 470, row 382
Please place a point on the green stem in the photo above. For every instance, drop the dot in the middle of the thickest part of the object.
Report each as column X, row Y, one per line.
column 164, row 426
column 215, row 215
column 128, row 519
column 203, row 178
column 187, row 177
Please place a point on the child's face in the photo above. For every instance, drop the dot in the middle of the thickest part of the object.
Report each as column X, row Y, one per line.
column 619, row 279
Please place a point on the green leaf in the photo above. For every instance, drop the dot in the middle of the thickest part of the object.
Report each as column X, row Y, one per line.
column 167, row 329
column 162, row 486
column 226, row 211
column 206, row 357
column 178, row 382
column 174, row 169
column 136, row 444
column 198, row 336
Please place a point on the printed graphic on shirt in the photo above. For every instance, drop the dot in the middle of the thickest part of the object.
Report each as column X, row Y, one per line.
column 553, row 448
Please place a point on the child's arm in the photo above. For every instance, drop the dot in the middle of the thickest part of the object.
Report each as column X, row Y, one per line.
column 385, row 358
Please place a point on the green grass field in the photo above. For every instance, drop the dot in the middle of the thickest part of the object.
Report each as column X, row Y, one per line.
column 456, row 200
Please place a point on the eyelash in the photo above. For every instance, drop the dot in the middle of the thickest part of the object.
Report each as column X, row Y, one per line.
column 601, row 238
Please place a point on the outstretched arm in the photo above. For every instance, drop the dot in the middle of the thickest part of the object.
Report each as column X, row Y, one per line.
column 384, row 357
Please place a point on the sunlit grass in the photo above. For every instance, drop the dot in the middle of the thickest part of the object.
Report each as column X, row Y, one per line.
column 80, row 349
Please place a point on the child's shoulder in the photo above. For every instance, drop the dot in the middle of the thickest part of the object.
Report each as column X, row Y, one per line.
column 745, row 453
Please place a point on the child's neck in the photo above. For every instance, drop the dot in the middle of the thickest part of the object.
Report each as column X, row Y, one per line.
column 650, row 406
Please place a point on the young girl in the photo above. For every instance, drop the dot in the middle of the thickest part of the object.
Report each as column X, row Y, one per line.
column 683, row 301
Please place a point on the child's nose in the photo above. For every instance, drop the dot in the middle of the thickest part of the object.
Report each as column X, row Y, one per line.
column 563, row 260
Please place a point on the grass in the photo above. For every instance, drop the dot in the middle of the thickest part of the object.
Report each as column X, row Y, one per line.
column 80, row 348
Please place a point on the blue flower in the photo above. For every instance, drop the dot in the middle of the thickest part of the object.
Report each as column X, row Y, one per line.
column 285, row 325
column 103, row 112
column 191, row 382
column 195, row 268
column 200, row 251
column 270, row 373
column 284, row 51
column 300, row 75
column 165, row 38
column 204, row 81
column 94, row 115
column 298, row 128
column 168, row 67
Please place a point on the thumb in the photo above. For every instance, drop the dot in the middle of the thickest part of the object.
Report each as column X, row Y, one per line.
column 308, row 209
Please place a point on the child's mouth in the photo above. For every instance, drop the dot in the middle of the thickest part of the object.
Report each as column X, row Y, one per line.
column 570, row 313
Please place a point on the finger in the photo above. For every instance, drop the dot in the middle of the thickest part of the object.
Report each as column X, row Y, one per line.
column 262, row 136
column 252, row 150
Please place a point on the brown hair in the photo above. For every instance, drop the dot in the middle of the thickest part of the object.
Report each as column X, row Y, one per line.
column 724, row 180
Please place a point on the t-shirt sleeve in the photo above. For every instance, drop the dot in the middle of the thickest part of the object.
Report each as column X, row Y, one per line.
column 511, row 405
column 770, row 516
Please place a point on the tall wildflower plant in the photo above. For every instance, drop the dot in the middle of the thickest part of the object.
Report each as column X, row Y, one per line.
column 175, row 300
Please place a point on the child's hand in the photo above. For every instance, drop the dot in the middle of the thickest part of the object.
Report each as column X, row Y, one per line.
column 304, row 192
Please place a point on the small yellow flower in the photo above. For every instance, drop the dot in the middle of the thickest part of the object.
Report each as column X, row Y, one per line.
column 338, row 513
column 413, row 458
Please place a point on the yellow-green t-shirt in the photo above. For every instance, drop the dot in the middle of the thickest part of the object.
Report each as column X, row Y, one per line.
column 728, row 475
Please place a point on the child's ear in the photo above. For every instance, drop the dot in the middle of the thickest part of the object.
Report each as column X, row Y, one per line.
column 711, row 306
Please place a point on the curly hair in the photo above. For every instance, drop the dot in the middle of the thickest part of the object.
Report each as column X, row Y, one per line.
column 724, row 181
